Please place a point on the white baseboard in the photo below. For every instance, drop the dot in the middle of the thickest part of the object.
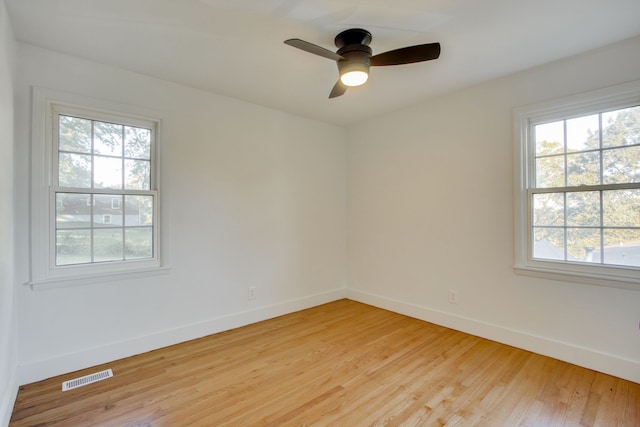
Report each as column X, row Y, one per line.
column 597, row 361
column 43, row 369
column 8, row 399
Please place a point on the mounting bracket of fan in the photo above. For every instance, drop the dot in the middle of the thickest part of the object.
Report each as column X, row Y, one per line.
column 353, row 36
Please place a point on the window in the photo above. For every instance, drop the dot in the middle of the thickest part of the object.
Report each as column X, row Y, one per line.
column 578, row 187
column 101, row 183
column 108, row 165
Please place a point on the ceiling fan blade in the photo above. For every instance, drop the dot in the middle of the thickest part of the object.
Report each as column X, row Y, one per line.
column 407, row 55
column 312, row 48
column 338, row 89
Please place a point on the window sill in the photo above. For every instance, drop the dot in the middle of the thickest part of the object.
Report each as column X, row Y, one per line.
column 68, row 281
column 612, row 281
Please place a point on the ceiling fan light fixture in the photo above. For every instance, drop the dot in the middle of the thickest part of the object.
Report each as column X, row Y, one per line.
column 354, row 68
column 354, row 78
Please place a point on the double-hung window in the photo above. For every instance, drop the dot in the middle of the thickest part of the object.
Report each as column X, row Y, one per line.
column 578, row 188
column 104, row 203
column 96, row 200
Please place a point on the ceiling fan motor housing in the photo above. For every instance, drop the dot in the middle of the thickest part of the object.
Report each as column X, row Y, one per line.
column 353, row 47
column 356, row 57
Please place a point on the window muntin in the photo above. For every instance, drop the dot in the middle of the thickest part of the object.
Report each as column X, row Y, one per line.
column 105, row 203
column 585, row 193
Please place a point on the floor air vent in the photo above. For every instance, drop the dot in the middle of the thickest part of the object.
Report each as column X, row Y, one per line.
column 87, row 379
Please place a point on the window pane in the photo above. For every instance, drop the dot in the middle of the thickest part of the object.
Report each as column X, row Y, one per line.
column 137, row 174
column 621, row 165
column 138, row 210
column 107, row 139
column 550, row 138
column 138, row 242
column 107, row 244
column 74, row 170
column 622, row 247
column 548, row 209
column 550, row 172
column 548, row 243
column 74, row 134
column 621, row 127
column 73, row 247
column 583, row 209
column 582, row 244
column 583, row 133
column 73, row 210
column 583, row 169
column 621, row 208
column 137, row 143
column 106, row 212
column 107, row 172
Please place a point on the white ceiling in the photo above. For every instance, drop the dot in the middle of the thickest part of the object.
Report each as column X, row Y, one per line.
column 235, row 47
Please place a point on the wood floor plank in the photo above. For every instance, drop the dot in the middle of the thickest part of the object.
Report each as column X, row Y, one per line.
column 343, row 363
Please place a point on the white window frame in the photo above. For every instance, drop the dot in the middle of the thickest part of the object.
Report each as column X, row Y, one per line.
column 46, row 104
column 524, row 118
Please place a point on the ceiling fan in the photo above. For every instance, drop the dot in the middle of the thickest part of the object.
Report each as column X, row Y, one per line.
column 354, row 56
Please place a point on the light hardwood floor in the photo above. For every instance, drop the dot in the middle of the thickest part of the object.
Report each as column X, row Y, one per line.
column 339, row 364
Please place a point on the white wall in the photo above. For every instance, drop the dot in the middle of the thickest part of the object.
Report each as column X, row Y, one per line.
column 251, row 197
column 8, row 323
column 430, row 208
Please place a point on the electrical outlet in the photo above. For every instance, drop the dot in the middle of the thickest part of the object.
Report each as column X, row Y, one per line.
column 453, row 296
column 251, row 294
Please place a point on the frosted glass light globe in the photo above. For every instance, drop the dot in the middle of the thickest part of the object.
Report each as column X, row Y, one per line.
column 354, row 78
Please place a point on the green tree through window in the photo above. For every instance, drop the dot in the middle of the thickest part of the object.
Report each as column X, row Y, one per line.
column 586, row 198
